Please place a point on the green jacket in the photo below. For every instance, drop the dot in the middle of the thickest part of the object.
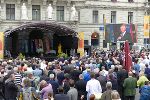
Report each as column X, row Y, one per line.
column 129, row 85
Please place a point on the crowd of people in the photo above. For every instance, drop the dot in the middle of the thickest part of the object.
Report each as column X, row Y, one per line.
column 98, row 77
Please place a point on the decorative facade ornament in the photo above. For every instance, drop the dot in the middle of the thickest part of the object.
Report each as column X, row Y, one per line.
column 24, row 12
column 49, row 11
column 73, row 13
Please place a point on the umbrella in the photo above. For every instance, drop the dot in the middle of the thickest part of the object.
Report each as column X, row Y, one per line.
column 127, row 58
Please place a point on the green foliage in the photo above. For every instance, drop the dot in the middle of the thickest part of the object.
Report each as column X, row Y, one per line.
column 20, row 56
column 62, row 55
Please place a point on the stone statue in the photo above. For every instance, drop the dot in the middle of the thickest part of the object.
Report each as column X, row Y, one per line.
column 24, row 12
column 73, row 13
column 49, row 11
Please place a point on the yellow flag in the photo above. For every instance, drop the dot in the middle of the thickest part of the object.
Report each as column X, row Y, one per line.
column 146, row 26
column 81, row 43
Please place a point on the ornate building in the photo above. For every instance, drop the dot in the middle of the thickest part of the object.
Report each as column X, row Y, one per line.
column 92, row 16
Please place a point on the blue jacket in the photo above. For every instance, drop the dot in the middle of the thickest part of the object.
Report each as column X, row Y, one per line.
column 145, row 92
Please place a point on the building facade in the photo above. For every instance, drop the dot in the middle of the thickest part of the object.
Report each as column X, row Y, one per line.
column 92, row 16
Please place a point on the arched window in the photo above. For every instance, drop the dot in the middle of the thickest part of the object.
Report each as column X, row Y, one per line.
column 95, row 39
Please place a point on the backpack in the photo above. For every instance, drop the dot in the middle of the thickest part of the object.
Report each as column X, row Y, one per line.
column 27, row 93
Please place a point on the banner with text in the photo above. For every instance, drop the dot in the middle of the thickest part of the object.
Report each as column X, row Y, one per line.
column 146, row 26
column 1, row 45
column 81, row 44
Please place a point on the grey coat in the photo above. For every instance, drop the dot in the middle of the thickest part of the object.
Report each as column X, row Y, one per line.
column 73, row 93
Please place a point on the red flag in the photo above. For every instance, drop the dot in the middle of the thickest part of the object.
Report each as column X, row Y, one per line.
column 127, row 58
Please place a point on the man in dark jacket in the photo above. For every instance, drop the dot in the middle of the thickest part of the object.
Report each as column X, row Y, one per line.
column 81, row 87
column 103, row 80
column 121, row 75
column 10, row 88
column 61, row 95
column 54, row 84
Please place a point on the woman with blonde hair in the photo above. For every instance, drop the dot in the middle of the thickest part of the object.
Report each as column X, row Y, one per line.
column 28, row 92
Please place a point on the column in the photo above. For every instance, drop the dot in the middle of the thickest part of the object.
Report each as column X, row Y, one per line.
column 54, row 10
column 67, row 14
column 44, row 10
column 18, row 10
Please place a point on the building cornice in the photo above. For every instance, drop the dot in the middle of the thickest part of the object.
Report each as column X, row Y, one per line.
column 112, row 5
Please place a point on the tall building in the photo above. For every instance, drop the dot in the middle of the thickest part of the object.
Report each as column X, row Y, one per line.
column 99, row 20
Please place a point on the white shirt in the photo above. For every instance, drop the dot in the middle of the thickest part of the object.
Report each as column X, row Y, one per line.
column 93, row 86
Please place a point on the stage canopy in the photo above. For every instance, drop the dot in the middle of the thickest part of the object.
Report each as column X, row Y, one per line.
column 54, row 27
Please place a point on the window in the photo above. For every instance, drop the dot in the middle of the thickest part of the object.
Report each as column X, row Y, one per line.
column 86, row 42
column 130, row 0
column 95, row 16
column 130, row 17
column 24, row 0
column 10, row 11
column 60, row 13
column 36, row 13
column 95, row 39
column 113, row 17
column 113, row 0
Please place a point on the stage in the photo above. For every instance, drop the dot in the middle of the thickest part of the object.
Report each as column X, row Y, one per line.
column 40, row 39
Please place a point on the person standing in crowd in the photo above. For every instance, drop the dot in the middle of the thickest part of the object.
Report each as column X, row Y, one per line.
column 65, row 83
column 136, row 67
column 18, row 77
column 93, row 86
column 115, row 95
column 103, row 80
column 72, row 93
column 107, row 94
column 27, row 91
column 87, row 75
column 145, row 91
column 81, row 87
column 147, row 71
column 121, row 75
column 142, row 80
column 113, row 81
column 46, row 89
column 11, row 88
column 2, row 84
column 129, row 85
column 54, row 84
column 61, row 95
